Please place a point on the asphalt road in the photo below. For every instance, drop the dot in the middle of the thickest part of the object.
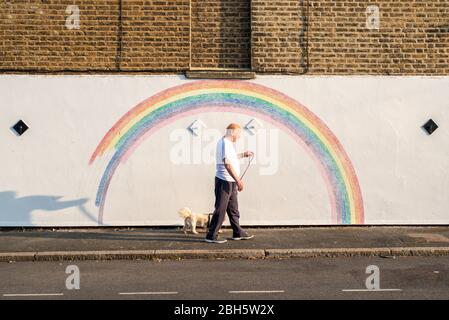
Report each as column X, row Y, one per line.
column 320, row 278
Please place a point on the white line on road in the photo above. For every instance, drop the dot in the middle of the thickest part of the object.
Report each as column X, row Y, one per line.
column 369, row 290
column 260, row 291
column 147, row 293
column 31, row 294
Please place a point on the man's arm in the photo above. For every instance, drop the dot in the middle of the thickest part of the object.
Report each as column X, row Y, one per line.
column 231, row 171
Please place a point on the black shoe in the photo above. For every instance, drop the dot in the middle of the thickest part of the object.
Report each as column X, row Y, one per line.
column 244, row 237
column 215, row 240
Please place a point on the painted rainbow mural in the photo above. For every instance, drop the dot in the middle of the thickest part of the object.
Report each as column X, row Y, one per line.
column 240, row 97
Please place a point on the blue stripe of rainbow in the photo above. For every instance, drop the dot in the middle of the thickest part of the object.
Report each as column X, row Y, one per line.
column 297, row 121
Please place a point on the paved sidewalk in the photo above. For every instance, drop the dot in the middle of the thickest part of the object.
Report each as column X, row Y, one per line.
column 148, row 243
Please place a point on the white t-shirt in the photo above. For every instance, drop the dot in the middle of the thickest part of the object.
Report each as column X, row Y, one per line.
column 225, row 149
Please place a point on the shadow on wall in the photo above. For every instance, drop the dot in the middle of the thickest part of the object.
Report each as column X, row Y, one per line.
column 18, row 211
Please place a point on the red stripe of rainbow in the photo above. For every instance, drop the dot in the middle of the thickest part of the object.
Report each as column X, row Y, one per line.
column 242, row 97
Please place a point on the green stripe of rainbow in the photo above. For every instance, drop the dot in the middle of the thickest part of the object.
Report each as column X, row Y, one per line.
column 241, row 97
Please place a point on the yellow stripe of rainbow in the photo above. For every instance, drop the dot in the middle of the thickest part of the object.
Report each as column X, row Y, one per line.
column 118, row 133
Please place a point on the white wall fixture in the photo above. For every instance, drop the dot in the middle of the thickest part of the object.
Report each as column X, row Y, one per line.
column 196, row 127
column 73, row 20
column 373, row 17
column 252, row 126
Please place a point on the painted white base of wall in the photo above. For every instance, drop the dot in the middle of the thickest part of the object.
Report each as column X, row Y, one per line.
column 45, row 178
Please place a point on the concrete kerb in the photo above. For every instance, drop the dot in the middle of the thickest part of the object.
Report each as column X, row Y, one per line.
column 211, row 254
column 357, row 252
column 17, row 256
column 326, row 252
column 94, row 255
column 221, row 254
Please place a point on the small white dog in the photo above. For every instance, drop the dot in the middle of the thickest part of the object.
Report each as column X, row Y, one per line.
column 193, row 220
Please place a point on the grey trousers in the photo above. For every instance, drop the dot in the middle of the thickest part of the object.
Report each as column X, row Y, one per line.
column 225, row 202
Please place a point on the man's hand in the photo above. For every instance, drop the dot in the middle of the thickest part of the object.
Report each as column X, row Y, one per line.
column 234, row 176
column 248, row 154
column 239, row 185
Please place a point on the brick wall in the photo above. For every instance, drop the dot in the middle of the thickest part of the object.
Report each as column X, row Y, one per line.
column 156, row 35
column 147, row 35
column 33, row 35
column 279, row 36
column 413, row 37
column 287, row 36
column 221, row 34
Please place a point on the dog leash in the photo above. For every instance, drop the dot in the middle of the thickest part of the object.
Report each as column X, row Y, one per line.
column 247, row 167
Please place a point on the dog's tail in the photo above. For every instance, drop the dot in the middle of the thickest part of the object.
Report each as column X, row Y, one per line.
column 185, row 212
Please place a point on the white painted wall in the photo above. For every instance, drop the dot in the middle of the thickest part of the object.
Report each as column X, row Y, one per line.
column 45, row 179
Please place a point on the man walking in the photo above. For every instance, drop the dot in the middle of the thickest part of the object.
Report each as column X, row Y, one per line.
column 227, row 183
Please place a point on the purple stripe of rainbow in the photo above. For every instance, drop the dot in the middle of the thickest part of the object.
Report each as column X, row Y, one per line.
column 337, row 186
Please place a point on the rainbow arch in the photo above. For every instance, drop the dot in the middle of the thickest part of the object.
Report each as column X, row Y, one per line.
column 273, row 106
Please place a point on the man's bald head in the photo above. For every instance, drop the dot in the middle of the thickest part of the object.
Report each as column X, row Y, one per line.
column 233, row 131
column 234, row 126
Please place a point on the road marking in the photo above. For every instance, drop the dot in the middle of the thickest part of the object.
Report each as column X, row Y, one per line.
column 31, row 294
column 369, row 290
column 259, row 291
column 147, row 293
